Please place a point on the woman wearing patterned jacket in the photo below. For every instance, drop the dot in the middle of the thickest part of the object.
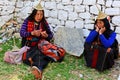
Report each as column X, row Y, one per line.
column 35, row 28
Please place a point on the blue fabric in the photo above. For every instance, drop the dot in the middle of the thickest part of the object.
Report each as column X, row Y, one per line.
column 24, row 33
column 106, row 42
column 23, row 30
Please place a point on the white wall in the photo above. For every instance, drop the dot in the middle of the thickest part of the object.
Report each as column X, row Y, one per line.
column 64, row 13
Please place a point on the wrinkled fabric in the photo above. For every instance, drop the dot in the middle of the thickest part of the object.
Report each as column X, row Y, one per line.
column 15, row 57
column 53, row 51
column 97, row 57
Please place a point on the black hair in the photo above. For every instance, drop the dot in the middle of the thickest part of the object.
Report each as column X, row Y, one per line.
column 31, row 17
column 106, row 23
column 107, row 26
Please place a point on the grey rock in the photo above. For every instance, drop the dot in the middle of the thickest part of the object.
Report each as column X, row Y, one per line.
column 71, row 39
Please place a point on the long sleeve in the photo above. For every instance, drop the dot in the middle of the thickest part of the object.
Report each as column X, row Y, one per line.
column 107, row 42
column 91, row 36
column 49, row 32
column 23, row 30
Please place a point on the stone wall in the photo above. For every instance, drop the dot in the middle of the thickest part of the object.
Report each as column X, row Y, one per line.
column 64, row 13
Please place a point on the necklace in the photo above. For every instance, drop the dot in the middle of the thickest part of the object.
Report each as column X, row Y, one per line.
column 36, row 26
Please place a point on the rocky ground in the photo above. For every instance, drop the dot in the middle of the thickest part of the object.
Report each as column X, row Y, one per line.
column 115, row 71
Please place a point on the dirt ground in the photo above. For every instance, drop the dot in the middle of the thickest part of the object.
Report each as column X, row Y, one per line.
column 115, row 71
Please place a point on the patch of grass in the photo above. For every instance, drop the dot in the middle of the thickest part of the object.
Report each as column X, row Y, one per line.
column 72, row 68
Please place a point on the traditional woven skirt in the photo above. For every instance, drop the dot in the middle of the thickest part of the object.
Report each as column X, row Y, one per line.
column 96, row 56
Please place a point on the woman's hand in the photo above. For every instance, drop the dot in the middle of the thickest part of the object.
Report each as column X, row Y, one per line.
column 97, row 29
column 36, row 33
column 44, row 34
column 108, row 50
column 102, row 30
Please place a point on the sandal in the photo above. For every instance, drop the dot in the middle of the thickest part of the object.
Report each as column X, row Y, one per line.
column 37, row 73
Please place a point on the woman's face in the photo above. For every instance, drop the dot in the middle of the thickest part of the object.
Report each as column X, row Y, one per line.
column 39, row 16
column 100, row 23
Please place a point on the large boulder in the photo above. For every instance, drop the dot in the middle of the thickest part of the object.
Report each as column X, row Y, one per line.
column 71, row 39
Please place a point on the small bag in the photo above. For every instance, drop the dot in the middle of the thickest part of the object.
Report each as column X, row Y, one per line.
column 51, row 50
column 15, row 57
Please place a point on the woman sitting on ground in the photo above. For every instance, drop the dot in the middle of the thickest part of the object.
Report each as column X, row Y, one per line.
column 34, row 29
column 99, row 45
